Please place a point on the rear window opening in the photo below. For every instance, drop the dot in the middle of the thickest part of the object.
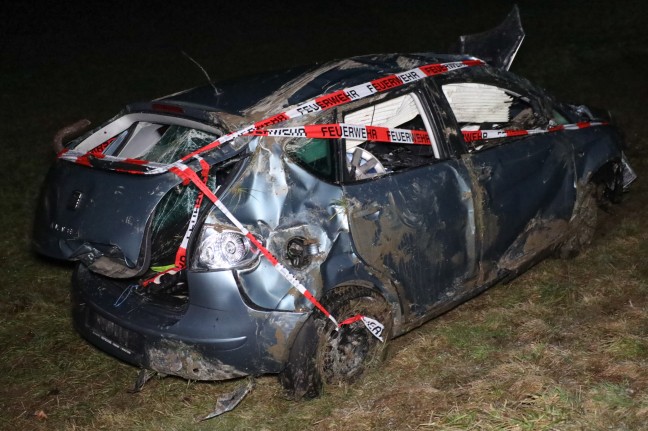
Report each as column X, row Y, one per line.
column 161, row 143
column 151, row 137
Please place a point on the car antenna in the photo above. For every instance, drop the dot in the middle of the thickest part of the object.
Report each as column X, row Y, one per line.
column 217, row 92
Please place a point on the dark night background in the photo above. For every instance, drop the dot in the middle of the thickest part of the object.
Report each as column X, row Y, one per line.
column 82, row 59
column 75, row 59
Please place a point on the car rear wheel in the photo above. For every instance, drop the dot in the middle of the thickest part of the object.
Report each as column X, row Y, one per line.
column 322, row 356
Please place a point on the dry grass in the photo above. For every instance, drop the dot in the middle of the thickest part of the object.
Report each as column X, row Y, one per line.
column 563, row 347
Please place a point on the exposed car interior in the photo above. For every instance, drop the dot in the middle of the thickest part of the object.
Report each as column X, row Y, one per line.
column 369, row 159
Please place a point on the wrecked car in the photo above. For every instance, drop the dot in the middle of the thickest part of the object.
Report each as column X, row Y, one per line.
column 295, row 222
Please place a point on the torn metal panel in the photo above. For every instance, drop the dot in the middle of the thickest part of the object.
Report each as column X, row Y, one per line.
column 142, row 378
column 497, row 46
column 629, row 175
column 229, row 401
column 283, row 203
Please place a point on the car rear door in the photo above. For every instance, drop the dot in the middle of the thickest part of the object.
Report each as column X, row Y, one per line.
column 526, row 183
column 115, row 222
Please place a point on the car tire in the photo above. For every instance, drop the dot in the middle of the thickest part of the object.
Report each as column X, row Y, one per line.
column 320, row 355
column 583, row 226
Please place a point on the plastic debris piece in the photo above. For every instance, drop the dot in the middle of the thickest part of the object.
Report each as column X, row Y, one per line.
column 162, row 268
column 229, row 401
column 143, row 377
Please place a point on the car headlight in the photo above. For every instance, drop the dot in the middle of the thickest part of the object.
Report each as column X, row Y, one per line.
column 222, row 248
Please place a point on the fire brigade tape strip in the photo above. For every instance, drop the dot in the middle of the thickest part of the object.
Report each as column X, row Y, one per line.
column 376, row 328
column 321, row 103
column 402, row 136
column 350, row 131
column 480, row 135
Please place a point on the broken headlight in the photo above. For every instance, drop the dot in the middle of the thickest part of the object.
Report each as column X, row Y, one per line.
column 223, row 248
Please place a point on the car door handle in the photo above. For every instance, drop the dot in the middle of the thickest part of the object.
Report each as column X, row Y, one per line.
column 485, row 173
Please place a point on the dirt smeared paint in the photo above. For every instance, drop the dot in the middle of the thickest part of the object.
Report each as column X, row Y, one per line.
column 180, row 359
column 538, row 236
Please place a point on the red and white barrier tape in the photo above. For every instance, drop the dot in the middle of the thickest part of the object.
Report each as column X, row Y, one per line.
column 321, row 103
column 375, row 327
column 480, row 135
column 402, row 136
column 350, row 131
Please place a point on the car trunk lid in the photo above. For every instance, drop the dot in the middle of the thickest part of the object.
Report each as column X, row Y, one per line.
column 115, row 222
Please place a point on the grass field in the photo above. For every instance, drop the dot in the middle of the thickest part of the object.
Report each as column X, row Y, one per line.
column 565, row 346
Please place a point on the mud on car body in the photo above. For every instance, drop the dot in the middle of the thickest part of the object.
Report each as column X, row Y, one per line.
column 389, row 230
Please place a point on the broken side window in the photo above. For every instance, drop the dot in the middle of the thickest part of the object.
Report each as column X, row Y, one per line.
column 366, row 159
column 487, row 107
column 315, row 155
column 557, row 118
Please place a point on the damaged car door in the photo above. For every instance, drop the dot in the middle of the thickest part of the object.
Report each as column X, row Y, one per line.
column 527, row 182
column 411, row 213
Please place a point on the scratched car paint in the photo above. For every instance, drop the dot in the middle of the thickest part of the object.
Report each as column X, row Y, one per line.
column 396, row 232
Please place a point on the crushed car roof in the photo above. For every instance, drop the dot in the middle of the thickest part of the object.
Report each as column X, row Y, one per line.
column 257, row 95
